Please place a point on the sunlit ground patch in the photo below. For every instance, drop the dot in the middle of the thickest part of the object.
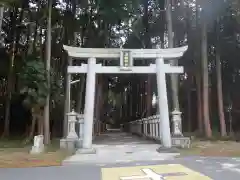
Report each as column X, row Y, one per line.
column 155, row 172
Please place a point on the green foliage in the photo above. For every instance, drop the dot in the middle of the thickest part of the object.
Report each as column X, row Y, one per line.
column 8, row 2
column 113, row 11
column 56, row 86
column 34, row 83
column 104, row 23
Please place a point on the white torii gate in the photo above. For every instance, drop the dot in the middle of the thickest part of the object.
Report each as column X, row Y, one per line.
column 127, row 57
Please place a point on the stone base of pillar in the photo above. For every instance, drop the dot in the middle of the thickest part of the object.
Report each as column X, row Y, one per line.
column 63, row 143
column 157, row 139
column 68, row 144
column 168, row 150
column 94, row 137
column 86, row 151
column 79, row 143
column 181, row 142
column 71, row 145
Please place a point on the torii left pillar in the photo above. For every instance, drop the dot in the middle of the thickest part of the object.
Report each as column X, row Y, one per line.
column 89, row 109
column 67, row 104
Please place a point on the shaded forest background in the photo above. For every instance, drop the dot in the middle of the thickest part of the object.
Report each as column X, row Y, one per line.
column 208, row 91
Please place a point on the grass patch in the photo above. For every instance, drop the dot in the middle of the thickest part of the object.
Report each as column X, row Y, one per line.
column 217, row 148
column 15, row 154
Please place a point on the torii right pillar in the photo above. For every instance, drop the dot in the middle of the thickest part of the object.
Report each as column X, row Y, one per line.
column 168, row 140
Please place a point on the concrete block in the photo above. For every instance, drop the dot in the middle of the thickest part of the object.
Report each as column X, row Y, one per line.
column 38, row 146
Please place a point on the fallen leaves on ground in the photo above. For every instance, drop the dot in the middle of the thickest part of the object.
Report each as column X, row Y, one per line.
column 19, row 157
column 24, row 159
column 213, row 148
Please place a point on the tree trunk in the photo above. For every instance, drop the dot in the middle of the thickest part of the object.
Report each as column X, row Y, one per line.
column 1, row 17
column 130, row 100
column 37, row 118
column 149, row 96
column 48, row 67
column 199, row 102
column 174, row 77
column 20, row 19
column 80, row 94
column 100, row 99
column 40, row 120
column 121, row 106
column 32, row 130
column 205, row 82
column 10, row 86
column 189, row 103
column 147, row 44
column 198, row 68
column 10, row 78
column 219, row 87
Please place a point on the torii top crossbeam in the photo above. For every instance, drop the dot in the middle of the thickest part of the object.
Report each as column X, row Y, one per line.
column 172, row 53
column 126, row 57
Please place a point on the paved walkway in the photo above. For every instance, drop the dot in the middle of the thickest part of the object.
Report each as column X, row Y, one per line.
column 117, row 147
column 188, row 168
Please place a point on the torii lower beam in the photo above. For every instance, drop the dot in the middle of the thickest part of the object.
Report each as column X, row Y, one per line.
column 99, row 69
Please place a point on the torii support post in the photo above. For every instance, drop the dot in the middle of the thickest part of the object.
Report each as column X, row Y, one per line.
column 163, row 104
column 89, row 108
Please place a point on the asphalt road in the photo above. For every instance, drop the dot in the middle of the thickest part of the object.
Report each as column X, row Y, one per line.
column 189, row 167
